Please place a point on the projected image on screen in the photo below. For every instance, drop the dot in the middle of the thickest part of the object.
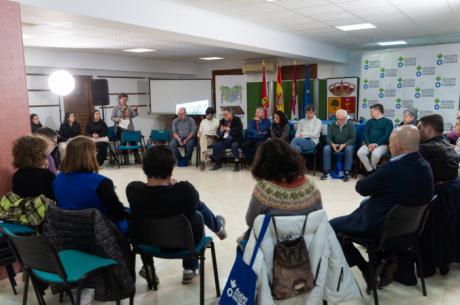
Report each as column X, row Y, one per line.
column 194, row 108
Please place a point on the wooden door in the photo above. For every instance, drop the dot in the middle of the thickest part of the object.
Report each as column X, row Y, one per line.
column 79, row 101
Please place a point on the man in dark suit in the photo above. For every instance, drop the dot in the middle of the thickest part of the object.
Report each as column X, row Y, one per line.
column 405, row 180
column 229, row 135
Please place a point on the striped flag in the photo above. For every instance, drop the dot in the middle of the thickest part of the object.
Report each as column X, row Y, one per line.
column 307, row 92
column 264, row 97
column 279, row 103
column 294, row 94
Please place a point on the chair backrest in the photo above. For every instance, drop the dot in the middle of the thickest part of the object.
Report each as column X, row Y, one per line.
column 111, row 133
column 359, row 128
column 168, row 233
column 404, row 221
column 34, row 252
column 159, row 135
column 131, row 136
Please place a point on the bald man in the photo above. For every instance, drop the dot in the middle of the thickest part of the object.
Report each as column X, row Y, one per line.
column 405, row 180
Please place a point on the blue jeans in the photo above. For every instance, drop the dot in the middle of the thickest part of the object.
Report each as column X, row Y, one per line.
column 327, row 150
column 301, row 144
column 210, row 220
column 188, row 149
column 218, row 149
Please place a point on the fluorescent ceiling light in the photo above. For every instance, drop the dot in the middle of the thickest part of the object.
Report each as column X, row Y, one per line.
column 211, row 58
column 27, row 36
column 270, row 0
column 391, row 43
column 355, row 27
column 139, row 50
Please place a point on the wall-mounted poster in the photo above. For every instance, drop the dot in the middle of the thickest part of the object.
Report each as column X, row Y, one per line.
column 231, row 92
column 342, row 93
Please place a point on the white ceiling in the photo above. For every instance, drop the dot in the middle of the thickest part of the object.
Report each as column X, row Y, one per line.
column 416, row 21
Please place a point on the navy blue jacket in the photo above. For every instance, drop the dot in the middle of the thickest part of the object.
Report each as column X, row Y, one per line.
column 407, row 181
column 259, row 129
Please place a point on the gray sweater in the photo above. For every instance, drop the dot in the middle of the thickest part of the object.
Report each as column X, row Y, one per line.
column 117, row 113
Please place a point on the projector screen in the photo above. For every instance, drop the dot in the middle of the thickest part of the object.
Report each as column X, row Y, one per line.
column 166, row 96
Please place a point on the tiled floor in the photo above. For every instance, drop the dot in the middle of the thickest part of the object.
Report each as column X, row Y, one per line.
column 228, row 194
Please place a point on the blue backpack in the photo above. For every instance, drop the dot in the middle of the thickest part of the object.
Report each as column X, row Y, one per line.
column 241, row 284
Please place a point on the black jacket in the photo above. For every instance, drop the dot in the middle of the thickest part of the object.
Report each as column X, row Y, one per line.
column 407, row 181
column 99, row 128
column 442, row 158
column 67, row 132
column 236, row 129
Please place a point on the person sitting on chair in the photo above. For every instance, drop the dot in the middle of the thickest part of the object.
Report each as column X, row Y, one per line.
column 454, row 134
column 229, row 135
column 207, row 133
column 53, row 155
column 393, row 184
column 340, row 138
column 184, row 130
column 79, row 186
column 409, row 117
column 258, row 131
column 436, row 149
column 376, row 134
column 32, row 177
column 308, row 131
column 163, row 197
column 98, row 131
column 280, row 127
column 35, row 123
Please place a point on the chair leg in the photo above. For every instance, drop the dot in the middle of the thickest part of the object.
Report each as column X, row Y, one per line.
column 153, row 273
column 11, row 275
column 113, row 281
column 202, row 279
column 26, row 288
column 419, row 265
column 69, row 293
column 37, row 291
column 145, row 265
column 78, row 297
column 61, row 297
column 372, row 275
column 214, row 266
column 314, row 164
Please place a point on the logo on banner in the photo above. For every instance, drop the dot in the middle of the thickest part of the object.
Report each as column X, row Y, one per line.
column 399, row 82
column 446, row 59
column 381, row 91
column 400, row 62
column 439, row 61
column 366, row 64
column 365, row 84
column 382, row 72
column 398, row 103
column 397, row 121
column 418, row 73
column 364, row 103
column 417, row 92
column 371, row 64
column 445, row 81
column 438, row 81
column 436, row 103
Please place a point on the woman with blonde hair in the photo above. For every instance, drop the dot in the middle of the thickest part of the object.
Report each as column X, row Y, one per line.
column 79, row 186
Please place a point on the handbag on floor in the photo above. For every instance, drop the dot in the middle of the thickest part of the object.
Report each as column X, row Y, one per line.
column 241, row 284
column 291, row 267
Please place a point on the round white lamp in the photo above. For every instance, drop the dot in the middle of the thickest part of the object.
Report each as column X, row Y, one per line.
column 61, row 82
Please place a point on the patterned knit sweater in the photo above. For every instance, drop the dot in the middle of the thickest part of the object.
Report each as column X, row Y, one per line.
column 297, row 198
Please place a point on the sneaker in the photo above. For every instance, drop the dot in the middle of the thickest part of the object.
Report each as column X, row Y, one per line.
column 346, row 176
column 188, row 276
column 143, row 274
column 236, row 168
column 216, row 167
column 222, row 234
column 202, row 166
column 325, row 175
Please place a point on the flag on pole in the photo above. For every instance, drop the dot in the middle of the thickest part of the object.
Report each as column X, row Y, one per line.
column 306, row 92
column 294, row 94
column 264, row 97
column 279, row 103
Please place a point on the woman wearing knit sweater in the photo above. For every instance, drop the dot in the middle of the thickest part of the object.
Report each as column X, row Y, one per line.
column 282, row 187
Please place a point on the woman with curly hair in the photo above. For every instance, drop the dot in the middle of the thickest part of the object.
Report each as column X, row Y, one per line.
column 32, row 177
column 282, row 187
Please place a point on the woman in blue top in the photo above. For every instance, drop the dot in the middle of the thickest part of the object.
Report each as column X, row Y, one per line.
column 78, row 186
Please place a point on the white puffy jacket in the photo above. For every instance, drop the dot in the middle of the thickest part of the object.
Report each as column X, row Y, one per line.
column 335, row 282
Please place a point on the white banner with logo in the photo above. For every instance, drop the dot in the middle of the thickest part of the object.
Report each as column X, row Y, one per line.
column 426, row 79
column 231, row 92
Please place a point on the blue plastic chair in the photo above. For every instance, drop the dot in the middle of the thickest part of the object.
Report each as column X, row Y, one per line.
column 69, row 268
column 128, row 137
column 113, row 142
column 159, row 136
column 311, row 152
column 150, row 237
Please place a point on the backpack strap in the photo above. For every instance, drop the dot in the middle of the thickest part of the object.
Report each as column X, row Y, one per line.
column 276, row 229
column 260, row 238
column 304, row 226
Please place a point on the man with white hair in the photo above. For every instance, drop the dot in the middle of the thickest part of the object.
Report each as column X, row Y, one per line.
column 258, row 131
column 184, row 132
column 340, row 139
